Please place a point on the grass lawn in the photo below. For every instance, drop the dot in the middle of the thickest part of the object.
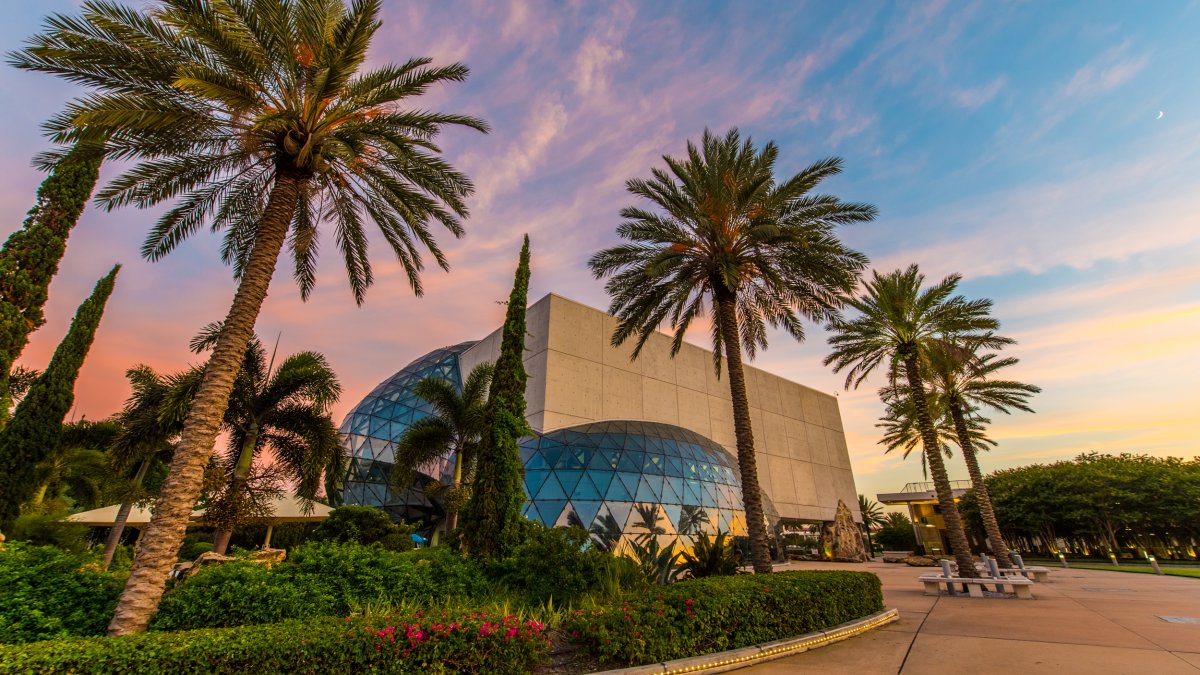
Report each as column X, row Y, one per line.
column 1142, row 569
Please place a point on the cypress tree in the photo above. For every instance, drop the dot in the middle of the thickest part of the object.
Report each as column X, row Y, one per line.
column 491, row 519
column 30, row 256
column 36, row 425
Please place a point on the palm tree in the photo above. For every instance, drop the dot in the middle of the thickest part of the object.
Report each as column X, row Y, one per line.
column 897, row 519
column 77, row 467
column 454, row 427
column 872, row 514
column 256, row 117
column 898, row 325
column 149, row 429
column 758, row 251
column 284, row 410
column 965, row 387
column 900, row 431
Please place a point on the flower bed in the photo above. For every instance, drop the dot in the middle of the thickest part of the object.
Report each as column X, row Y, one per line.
column 714, row 614
column 414, row 643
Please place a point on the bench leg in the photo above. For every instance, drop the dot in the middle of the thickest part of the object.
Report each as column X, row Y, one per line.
column 975, row 590
column 932, row 588
column 1040, row 577
column 1024, row 592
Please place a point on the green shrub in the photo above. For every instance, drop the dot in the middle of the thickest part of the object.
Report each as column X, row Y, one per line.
column 555, row 564
column 409, row 643
column 49, row 529
column 192, row 549
column 896, row 538
column 357, row 524
column 397, row 541
column 713, row 614
column 321, row 579
column 48, row 593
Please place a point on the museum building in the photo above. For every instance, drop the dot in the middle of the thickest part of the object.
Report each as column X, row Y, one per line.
column 620, row 447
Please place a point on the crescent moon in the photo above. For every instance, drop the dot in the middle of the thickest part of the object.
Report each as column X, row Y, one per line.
column 1160, row 115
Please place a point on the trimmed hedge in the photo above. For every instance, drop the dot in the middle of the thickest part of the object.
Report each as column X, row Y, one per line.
column 322, row 579
column 414, row 643
column 46, row 593
column 714, row 614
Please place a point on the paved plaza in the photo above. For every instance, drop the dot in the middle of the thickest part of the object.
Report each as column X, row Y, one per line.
column 1083, row 621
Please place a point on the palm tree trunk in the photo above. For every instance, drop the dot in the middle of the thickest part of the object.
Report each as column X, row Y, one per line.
column 990, row 524
column 937, row 470
column 756, row 525
column 452, row 514
column 118, row 528
column 38, row 496
column 163, row 536
column 238, row 483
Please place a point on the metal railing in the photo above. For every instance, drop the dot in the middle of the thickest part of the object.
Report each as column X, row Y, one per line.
column 928, row 486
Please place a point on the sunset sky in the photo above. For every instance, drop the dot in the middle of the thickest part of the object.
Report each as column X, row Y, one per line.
column 1048, row 152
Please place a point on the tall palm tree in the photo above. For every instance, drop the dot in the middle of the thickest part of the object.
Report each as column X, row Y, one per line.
column 898, row 325
column 454, row 427
column 728, row 235
column 256, row 117
column 872, row 514
column 284, row 410
column 149, row 429
column 966, row 386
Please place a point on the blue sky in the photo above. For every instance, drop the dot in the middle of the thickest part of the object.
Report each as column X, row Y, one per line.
column 1019, row 144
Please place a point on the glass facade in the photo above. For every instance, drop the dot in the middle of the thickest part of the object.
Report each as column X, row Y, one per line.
column 628, row 478
column 617, row 479
column 370, row 430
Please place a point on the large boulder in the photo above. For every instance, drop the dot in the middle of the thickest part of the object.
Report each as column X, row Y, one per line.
column 845, row 538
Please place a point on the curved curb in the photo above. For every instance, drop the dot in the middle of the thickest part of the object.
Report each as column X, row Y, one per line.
column 747, row 656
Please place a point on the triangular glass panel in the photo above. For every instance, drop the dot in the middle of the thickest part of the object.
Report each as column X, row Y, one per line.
column 672, row 511
column 646, row 492
column 586, row 489
column 604, row 460
column 536, row 461
column 631, row 460
column 551, row 489
column 669, row 495
column 587, row 510
column 617, row 491
column 620, row 512
column 601, row 480
column 568, row 479
column 551, row 510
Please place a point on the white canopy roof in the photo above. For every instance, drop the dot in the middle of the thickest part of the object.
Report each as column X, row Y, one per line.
column 286, row 509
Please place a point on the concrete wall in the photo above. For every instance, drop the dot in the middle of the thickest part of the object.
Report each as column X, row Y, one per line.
column 576, row 376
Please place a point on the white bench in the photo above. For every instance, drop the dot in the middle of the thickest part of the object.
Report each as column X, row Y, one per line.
column 1038, row 574
column 975, row 587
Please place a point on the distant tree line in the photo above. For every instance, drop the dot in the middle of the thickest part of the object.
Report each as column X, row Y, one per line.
column 1094, row 505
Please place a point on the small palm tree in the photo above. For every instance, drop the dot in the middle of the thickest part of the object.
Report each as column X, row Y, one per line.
column 453, row 428
column 872, row 514
column 257, row 117
column 897, row 519
column 898, row 325
column 78, row 467
column 965, row 386
column 146, row 440
column 759, row 251
column 900, row 431
column 284, row 410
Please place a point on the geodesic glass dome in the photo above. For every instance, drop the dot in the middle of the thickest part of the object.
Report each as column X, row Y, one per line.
column 617, row 479
column 632, row 478
column 369, row 433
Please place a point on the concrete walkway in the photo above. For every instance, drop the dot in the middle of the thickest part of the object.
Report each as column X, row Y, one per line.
column 1083, row 621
